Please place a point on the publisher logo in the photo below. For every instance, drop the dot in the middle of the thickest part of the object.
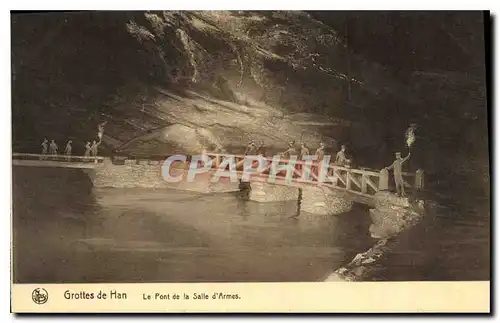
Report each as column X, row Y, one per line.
column 40, row 296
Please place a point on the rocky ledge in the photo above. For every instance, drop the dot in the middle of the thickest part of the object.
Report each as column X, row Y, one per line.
column 391, row 216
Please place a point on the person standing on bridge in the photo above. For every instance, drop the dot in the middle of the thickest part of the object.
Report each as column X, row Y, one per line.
column 53, row 148
column 261, row 150
column 100, row 130
column 88, row 149
column 341, row 158
column 304, row 151
column 67, row 150
column 291, row 151
column 320, row 152
column 397, row 165
column 94, row 147
column 45, row 147
column 251, row 148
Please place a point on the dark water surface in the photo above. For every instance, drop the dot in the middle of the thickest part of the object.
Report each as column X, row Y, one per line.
column 451, row 243
column 64, row 230
column 67, row 231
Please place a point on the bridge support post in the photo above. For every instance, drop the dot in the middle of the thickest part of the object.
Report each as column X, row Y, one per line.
column 419, row 179
column 383, row 184
column 265, row 192
column 323, row 201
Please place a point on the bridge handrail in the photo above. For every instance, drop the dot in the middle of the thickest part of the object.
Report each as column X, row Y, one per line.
column 341, row 178
column 301, row 162
column 354, row 170
column 73, row 158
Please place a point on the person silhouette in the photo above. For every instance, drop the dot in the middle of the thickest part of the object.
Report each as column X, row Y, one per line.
column 100, row 130
column 88, row 149
column 291, row 151
column 94, row 146
column 45, row 147
column 304, row 151
column 53, row 148
column 67, row 149
column 397, row 165
column 341, row 157
column 320, row 152
column 261, row 149
column 251, row 148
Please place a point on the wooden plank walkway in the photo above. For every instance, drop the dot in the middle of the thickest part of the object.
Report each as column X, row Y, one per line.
column 360, row 184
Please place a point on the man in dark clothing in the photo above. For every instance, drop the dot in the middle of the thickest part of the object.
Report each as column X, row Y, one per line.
column 88, row 149
column 304, row 151
column 251, row 148
column 94, row 147
column 68, row 149
column 45, row 147
column 261, row 150
column 341, row 157
column 53, row 148
column 320, row 152
column 397, row 165
column 291, row 151
column 100, row 130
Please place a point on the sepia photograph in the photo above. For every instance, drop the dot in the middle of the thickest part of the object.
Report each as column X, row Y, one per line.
column 249, row 146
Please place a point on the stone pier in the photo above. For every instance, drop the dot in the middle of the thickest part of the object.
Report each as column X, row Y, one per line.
column 265, row 192
column 323, row 201
column 393, row 214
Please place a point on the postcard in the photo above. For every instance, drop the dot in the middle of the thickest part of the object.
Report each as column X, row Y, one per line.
column 250, row 161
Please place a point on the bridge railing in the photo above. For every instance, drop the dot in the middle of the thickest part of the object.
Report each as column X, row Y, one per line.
column 58, row 158
column 360, row 181
column 363, row 181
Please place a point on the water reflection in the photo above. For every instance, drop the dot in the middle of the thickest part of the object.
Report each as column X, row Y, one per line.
column 66, row 231
column 139, row 235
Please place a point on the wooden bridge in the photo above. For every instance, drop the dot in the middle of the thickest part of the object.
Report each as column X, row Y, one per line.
column 363, row 182
column 359, row 185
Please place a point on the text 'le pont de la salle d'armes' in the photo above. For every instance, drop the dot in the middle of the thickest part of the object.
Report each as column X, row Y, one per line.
column 193, row 296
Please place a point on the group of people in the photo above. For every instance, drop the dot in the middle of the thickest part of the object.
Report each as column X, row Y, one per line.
column 341, row 158
column 49, row 148
column 90, row 148
column 254, row 149
column 52, row 148
column 260, row 149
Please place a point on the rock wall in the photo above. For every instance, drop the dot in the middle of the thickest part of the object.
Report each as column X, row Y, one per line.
column 361, row 264
column 392, row 214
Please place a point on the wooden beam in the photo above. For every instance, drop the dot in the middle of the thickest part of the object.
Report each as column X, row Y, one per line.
column 354, row 180
column 337, row 175
column 370, row 183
